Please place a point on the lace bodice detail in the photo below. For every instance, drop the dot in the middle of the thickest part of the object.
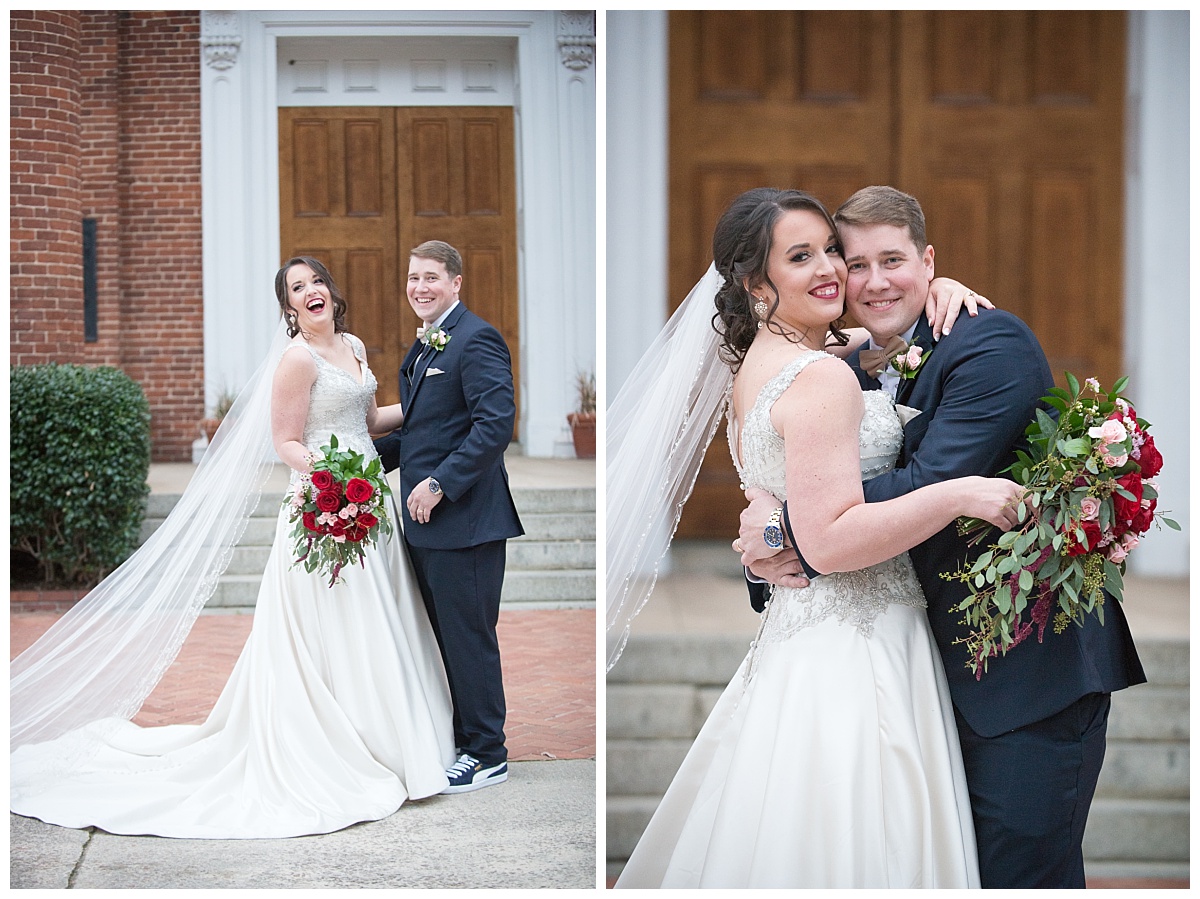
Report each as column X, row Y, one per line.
column 856, row 598
column 338, row 404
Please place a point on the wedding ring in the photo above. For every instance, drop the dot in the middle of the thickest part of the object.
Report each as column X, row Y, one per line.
column 737, row 545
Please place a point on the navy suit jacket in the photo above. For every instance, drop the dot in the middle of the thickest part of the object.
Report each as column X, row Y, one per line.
column 977, row 392
column 459, row 411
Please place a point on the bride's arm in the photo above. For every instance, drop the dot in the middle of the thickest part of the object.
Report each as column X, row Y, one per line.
column 384, row 419
column 290, row 390
column 946, row 300
column 819, row 416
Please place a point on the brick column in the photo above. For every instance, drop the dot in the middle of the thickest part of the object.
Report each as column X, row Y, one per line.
column 46, row 270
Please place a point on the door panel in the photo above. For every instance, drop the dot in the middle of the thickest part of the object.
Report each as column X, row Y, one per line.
column 1007, row 125
column 361, row 186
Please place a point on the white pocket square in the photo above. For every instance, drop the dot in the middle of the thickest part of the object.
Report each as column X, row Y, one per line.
column 430, row 372
column 907, row 414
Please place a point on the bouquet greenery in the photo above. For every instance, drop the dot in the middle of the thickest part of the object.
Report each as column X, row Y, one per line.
column 1089, row 497
column 337, row 509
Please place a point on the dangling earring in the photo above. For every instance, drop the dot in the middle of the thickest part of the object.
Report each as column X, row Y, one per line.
column 760, row 310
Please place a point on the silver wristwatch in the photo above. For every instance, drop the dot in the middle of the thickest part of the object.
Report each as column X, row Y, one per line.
column 434, row 487
column 773, row 532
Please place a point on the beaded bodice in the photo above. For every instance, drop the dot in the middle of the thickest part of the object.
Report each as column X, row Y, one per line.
column 854, row 597
column 338, row 404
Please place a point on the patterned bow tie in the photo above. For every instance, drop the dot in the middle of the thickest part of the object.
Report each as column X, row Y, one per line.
column 873, row 362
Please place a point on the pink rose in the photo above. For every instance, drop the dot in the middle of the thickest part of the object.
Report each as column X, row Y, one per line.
column 913, row 359
column 1115, row 461
column 1129, row 540
column 1112, row 431
column 1089, row 508
column 1117, row 553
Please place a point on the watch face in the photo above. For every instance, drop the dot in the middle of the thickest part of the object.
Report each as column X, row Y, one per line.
column 773, row 536
column 434, row 486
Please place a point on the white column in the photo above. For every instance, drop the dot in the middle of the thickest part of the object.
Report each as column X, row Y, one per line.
column 556, row 193
column 1157, row 268
column 635, row 282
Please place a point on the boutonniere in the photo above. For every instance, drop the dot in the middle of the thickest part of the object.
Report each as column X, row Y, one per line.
column 435, row 337
column 909, row 364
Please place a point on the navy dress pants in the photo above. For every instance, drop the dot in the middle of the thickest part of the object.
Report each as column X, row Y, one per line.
column 461, row 589
column 1031, row 789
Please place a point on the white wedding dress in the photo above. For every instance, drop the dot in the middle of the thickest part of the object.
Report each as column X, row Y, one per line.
column 336, row 712
column 831, row 759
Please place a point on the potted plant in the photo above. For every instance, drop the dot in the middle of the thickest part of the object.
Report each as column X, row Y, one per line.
column 224, row 403
column 583, row 419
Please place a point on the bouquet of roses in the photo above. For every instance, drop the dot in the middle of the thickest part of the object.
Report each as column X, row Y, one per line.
column 1089, row 497
column 337, row 509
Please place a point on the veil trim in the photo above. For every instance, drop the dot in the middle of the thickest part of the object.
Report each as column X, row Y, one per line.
column 657, row 431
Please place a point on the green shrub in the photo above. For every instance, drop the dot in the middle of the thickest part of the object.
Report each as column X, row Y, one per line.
column 80, row 455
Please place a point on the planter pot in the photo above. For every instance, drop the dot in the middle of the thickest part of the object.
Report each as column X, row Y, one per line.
column 208, row 426
column 583, row 432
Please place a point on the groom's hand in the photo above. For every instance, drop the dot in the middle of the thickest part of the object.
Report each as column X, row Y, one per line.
column 782, row 569
column 421, row 502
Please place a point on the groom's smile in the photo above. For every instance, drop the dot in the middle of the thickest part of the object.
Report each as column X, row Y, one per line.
column 431, row 290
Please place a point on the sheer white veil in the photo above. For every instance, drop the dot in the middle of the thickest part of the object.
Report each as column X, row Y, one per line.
column 657, row 431
column 103, row 657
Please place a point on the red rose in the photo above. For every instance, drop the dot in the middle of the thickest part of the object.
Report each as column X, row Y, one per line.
column 322, row 479
column 1124, row 509
column 1144, row 518
column 1091, row 536
column 310, row 521
column 359, row 491
column 367, row 520
column 1149, row 458
column 354, row 533
column 328, row 501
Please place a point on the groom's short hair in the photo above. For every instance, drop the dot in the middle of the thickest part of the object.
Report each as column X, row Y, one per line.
column 879, row 205
column 440, row 251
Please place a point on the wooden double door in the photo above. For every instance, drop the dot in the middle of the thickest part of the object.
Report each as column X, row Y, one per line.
column 361, row 186
column 1007, row 126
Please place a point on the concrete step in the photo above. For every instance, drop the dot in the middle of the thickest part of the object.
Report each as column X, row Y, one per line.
column 523, row 555
column 553, row 564
column 529, row 588
column 1137, row 830
column 1145, row 769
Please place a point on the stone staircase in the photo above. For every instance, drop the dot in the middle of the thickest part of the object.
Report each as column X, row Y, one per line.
column 552, row 565
column 665, row 685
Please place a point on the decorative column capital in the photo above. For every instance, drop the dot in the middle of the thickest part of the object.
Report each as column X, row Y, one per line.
column 577, row 39
column 220, row 38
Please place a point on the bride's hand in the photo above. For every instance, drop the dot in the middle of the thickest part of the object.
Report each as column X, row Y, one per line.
column 994, row 500
column 946, row 300
column 753, row 522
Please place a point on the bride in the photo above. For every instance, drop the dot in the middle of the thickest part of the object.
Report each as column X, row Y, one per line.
column 337, row 710
column 832, row 758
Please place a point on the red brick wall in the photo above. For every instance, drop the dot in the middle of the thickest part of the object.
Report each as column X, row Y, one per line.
column 46, row 280
column 161, row 262
column 106, row 124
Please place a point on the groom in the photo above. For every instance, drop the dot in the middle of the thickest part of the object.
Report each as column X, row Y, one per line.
column 456, row 388
column 1033, row 727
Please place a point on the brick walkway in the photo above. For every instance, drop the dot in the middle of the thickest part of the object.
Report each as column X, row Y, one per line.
column 549, row 659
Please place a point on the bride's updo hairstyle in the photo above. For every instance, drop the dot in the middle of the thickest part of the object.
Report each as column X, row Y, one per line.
column 741, row 248
column 282, row 294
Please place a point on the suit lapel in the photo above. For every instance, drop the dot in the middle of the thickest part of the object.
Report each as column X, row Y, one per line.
column 922, row 337
column 423, row 365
